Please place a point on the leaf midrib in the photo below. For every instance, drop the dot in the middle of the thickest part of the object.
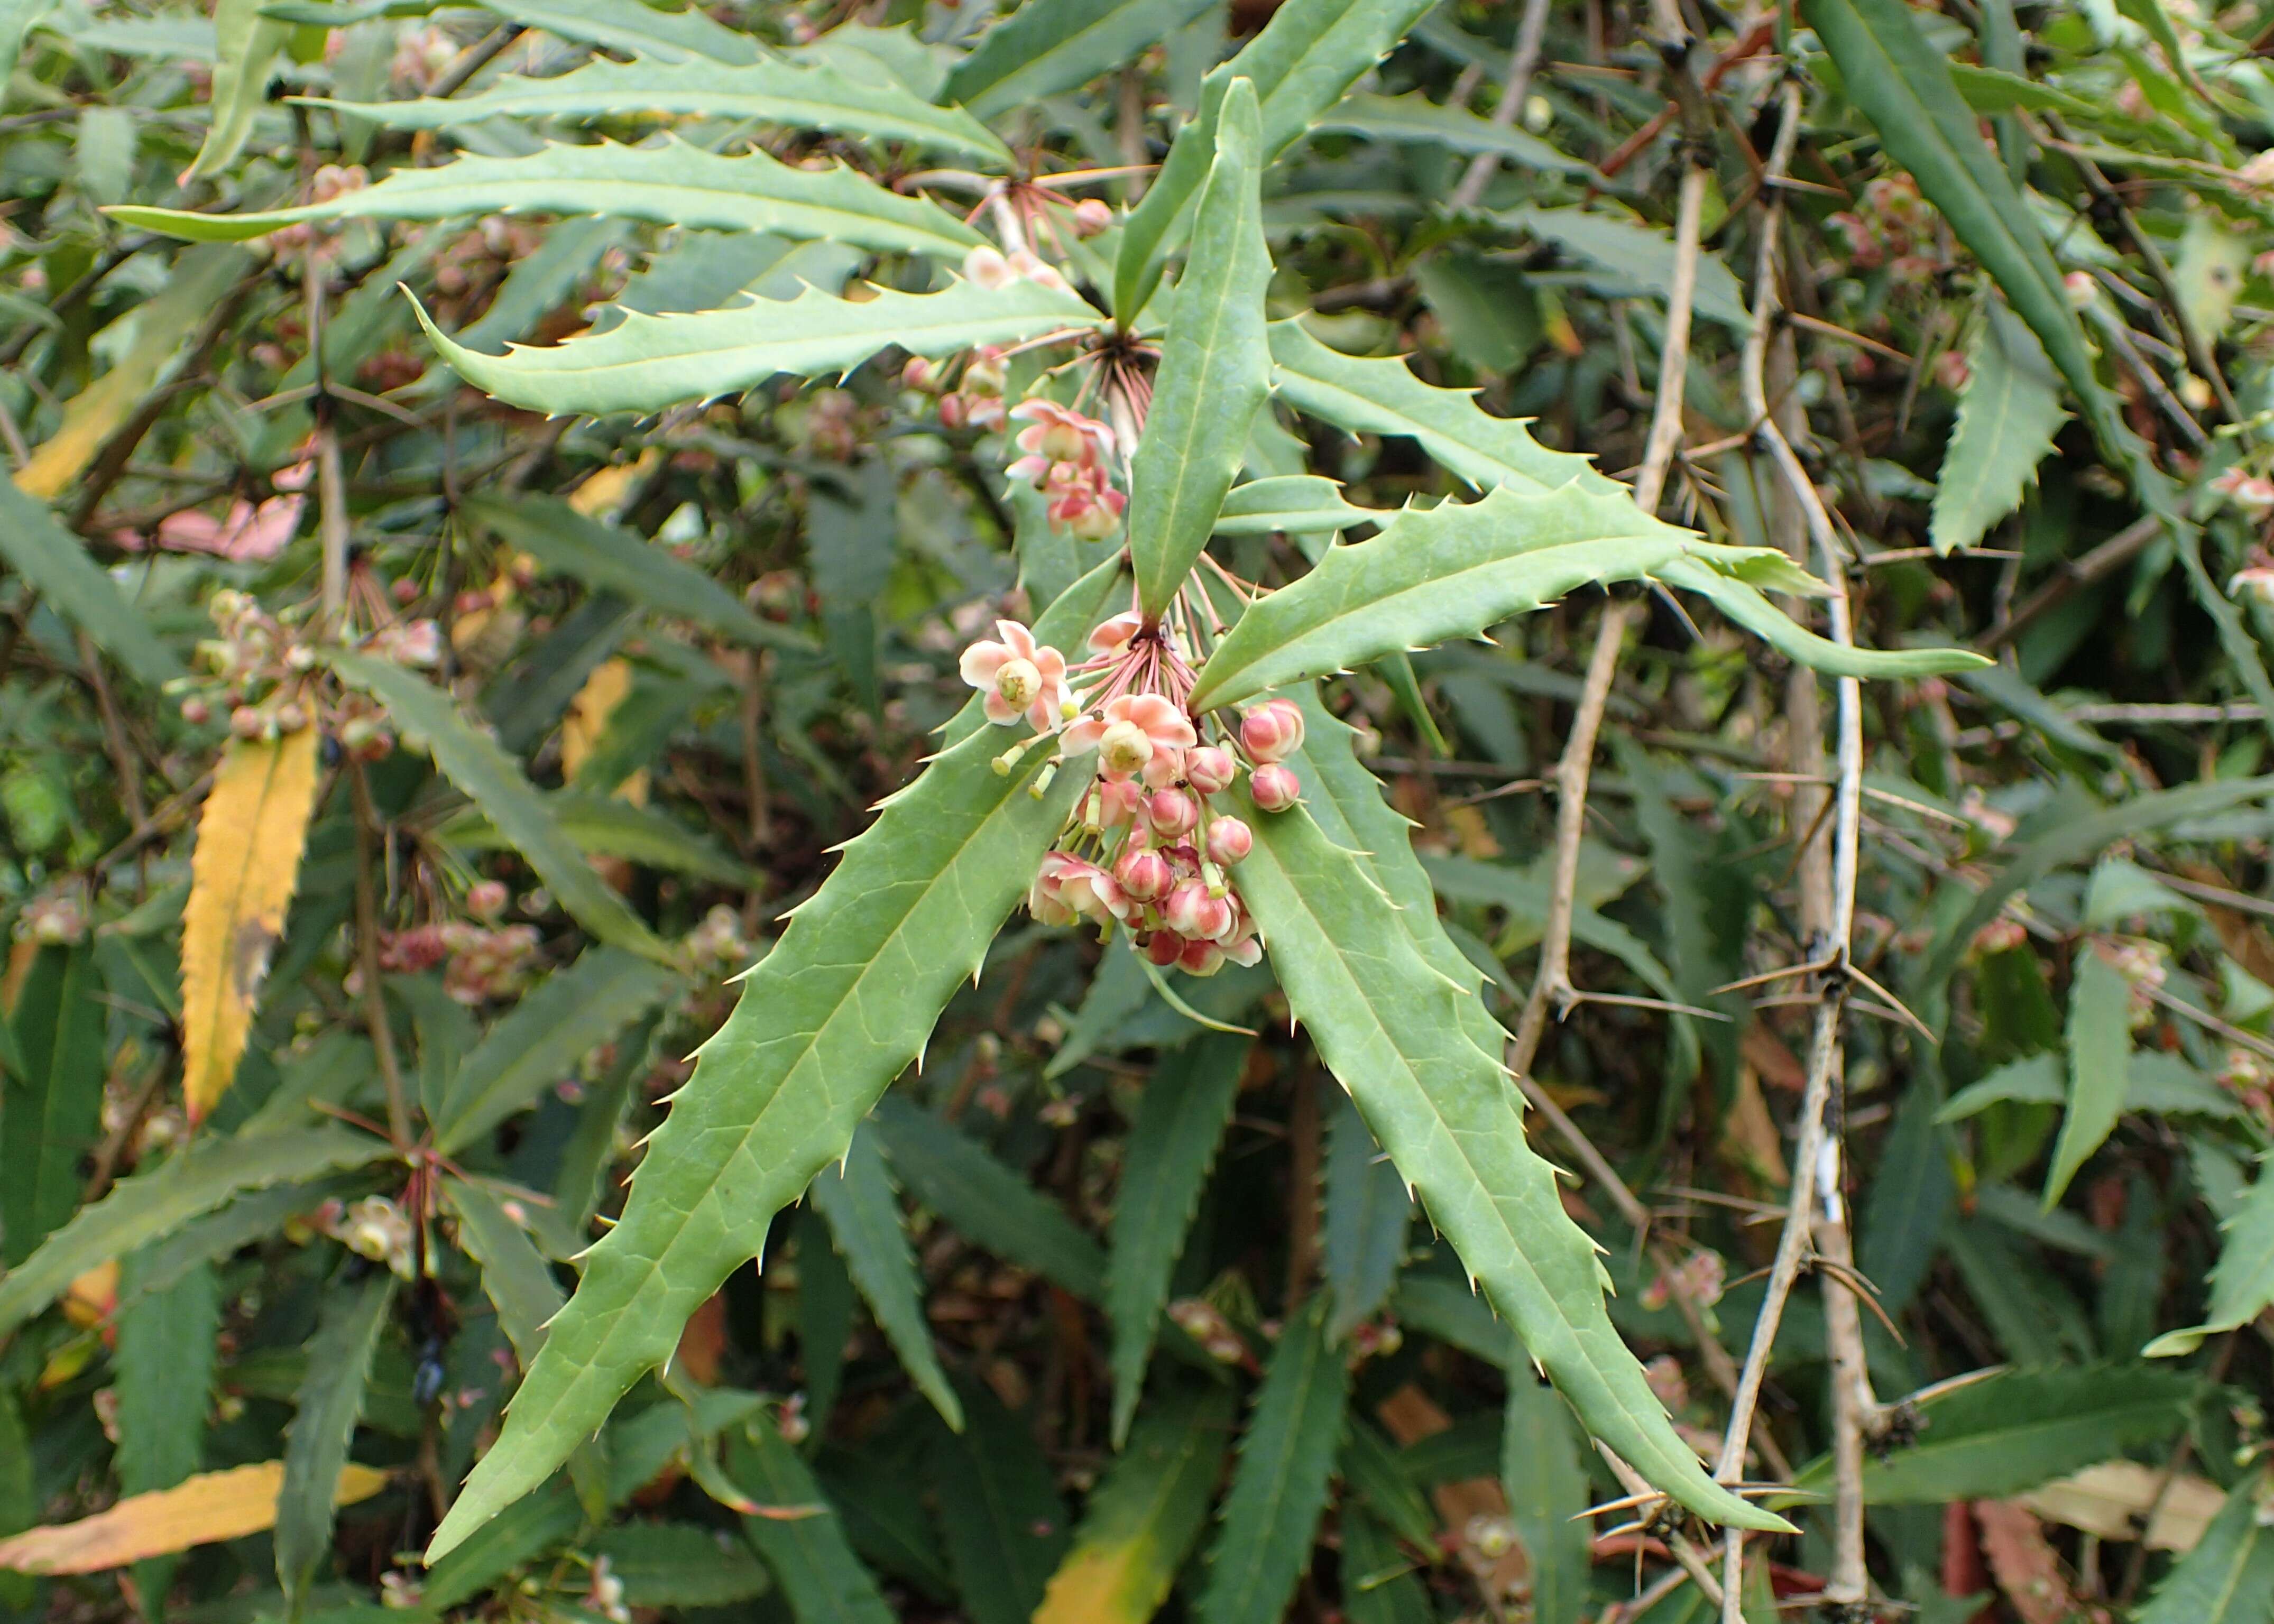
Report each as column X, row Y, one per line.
column 1346, row 610
column 1515, row 1249
column 710, row 1195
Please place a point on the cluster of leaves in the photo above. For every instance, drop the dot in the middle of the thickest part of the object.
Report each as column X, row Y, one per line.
column 423, row 706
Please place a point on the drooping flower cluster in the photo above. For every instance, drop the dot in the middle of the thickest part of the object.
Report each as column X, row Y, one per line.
column 1147, row 846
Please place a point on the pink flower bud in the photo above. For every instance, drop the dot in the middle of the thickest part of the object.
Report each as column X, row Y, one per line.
column 953, row 413
column 1192, row 913
column 1143, row 874
column 1275, row 788
column 1172, row 812
column 987, row 267
column 1119, row 801
column 1210, row 769
column 1091, row 216
column 1201, row 959
column 985, row 375
column 1272, row 730
column 920, row 374
column 1123, row 748
column 1229, row 840
column 1164, row 948
column 487, row 898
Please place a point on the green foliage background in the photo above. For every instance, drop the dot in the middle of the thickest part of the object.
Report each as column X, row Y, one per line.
column 1115, row 1305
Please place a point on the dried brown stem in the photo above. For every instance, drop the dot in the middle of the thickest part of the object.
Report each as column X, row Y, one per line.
column 1525, row 58
column 367, row 833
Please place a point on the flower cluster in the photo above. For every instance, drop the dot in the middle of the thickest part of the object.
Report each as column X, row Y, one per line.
column 1145, row 848
column 976, row 402
column 1067, row 459
column 318, row 236
column 258, row 669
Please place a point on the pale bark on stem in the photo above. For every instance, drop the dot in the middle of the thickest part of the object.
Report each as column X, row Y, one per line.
column 1815, row 1213
column 1691, row 1559
column 1521, row 65
column 1552, row 985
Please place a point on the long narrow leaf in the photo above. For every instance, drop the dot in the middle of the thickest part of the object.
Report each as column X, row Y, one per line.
column 1362, row 1238
column 863, row 1211
column 2229, row 1576
column 608, row 558
column 1180, row 1123
column 1004, row 1524
column 1903, row 85
column 812, row 97
column 316, row 1442
column 844, row 1001
column 2099, row 1040
column 1279, row 1488
column 1306, row 58
column 1214, row 366
column 515, row 1277
column 566, row 1016
column 985, row 1201
column 492, row 780
column 52, row 560
column 1390, row 1027
column 1382, row 396
column 1049, row 47
column 652, row 362
column 650, row 31
column 1143, row 1518
column 51, row 1105
column 800, row 1535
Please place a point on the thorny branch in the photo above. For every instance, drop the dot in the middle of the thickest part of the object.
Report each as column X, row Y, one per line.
column 1815, row 1213
column 1525, row 58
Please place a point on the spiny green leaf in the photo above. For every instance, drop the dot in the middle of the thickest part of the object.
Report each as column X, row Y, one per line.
column 1046, row 48
column 985, row 1201
column 1004, row 1526
column 564, row 1017
column 1381, row 395
column 1279, row 1487
column 1296, row 503
column 1903, row 85
column 1181, row 1117
column 614, row 560
column 2228, row 1578
column 643, row 31
column 803, row 1542
column 2099, row 1040
column 1378, row 1480
column 1306, row 58
column 52, row 560
column 1746, row 605
column 1545, row 1484
column 1391, row 1027
column 1215, row 369
column 826, row 1304
column 323, row 1424
column 1143, row 1518
column 1417, row 118
column 816, row 97
column 51, row 1108
column 2006, row 415
column 1434, row 573
column 652, row 362
column 863, row 1211
column 845, row 1000
column 2017, row 1429
column 515, row 1277
column 670, row 183
column 472, row 761
column 1364, row 1231
column 2242, row 1280
column 157, row 1202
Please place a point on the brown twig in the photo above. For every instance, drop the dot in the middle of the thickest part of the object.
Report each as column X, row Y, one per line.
column 2071, row 577
column 374, row 1002
column 1526, row 57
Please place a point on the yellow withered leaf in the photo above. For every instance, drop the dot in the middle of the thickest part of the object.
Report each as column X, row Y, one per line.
column 587, row 722
column 197, row 1511
column 248, row 860
column 162, row 328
